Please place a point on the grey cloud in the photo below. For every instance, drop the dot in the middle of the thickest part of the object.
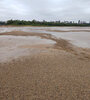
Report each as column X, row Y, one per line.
column 45, row 9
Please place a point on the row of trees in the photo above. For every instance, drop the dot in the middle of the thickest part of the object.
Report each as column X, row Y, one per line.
column 43, row 23
column 2, row 23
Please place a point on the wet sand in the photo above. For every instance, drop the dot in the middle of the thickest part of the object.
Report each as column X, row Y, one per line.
column 58, row 71
column 79, row 36
column 12, row 47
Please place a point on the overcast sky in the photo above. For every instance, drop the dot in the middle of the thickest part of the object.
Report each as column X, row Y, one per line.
column 45, row 10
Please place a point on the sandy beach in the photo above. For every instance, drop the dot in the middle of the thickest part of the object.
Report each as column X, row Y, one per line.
column 36, row 65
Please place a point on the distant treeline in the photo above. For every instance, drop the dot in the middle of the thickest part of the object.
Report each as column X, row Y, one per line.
column 42, row 23
column 2, row 23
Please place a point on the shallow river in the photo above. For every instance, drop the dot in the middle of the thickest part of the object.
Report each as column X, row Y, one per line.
column 12, row 47
column 79, row 36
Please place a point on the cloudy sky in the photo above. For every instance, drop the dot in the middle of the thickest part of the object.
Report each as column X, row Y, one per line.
column 45, row 10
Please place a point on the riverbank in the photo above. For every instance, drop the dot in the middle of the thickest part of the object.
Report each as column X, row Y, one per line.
column 48, row 68
column 53, row 75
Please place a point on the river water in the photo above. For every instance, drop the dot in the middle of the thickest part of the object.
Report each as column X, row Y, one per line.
column 12, row 47
column 79, row 36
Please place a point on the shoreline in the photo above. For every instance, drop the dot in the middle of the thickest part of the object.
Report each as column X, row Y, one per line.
column 37, row 26
column 60, row 44
column 57, row 71
column 41, row 75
